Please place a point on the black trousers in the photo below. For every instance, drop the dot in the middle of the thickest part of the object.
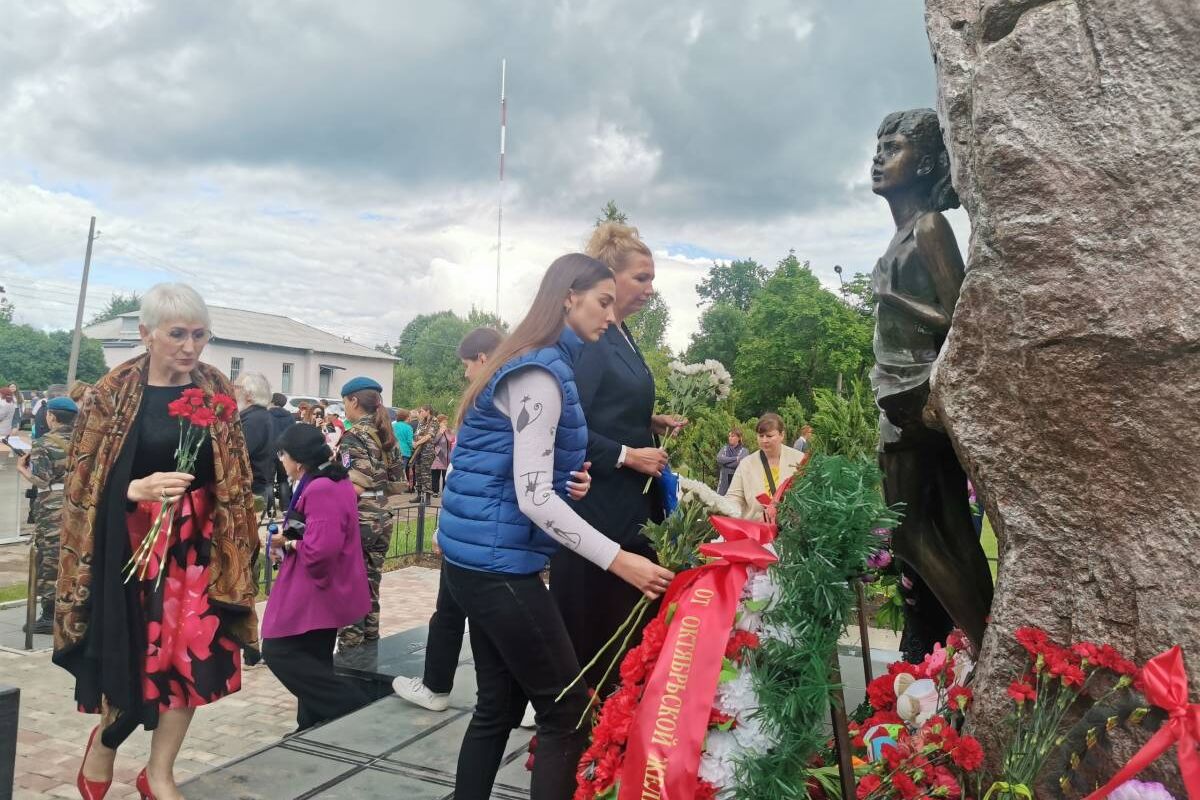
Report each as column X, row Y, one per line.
column 437, row 475
column 522, row 653
column 304, row 665
column 444, row 644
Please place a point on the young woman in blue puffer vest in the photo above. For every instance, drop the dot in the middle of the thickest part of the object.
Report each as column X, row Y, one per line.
column 521, row 435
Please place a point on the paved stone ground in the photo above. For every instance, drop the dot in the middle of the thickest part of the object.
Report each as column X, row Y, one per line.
column 52, row 735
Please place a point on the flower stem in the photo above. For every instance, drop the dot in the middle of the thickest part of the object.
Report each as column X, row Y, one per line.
column 596, row 658
column 640, row 610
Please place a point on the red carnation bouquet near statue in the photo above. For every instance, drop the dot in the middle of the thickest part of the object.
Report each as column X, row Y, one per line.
column 196, row 412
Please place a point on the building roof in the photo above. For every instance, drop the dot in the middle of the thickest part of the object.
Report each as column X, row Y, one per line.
column 249, row 327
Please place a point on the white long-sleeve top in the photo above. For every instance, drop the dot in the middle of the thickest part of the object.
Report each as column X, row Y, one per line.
column 532, row 399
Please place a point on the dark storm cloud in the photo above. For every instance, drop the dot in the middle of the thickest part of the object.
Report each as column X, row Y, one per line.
column 682, row 110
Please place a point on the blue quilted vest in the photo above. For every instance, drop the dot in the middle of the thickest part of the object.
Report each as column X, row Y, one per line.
column 481, row 526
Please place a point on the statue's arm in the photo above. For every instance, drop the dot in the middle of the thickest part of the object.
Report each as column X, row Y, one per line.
column 939, row 251
column 937, row 245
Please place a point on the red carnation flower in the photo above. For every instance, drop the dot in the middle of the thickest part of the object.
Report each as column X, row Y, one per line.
column 881, row 692
column 905, row 785
column 969, row 754
column 739, row 641
column 705, row 791
column 717, row 718
column 1032, row 639
column 944, row 781
column 1021, row 692
column 179, row 408
column 868, row 784
column 224, row 406
column 202, row 417
column 960, row 697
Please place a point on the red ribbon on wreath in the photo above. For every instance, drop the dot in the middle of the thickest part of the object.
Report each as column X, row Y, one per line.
column 667, row 737
column 1166, row 681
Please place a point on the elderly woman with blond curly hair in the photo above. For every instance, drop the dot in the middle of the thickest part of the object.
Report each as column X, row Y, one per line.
column 149, row 650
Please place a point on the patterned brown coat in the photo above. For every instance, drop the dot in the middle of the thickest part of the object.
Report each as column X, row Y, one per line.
column 106, row 416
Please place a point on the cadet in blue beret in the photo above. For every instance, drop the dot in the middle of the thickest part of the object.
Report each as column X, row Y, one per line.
column 45, row 467
column 62, row 404
column 358, row 384
column 368, row 449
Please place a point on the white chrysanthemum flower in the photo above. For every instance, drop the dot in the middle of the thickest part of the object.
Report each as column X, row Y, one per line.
column 717, row 762
column 762, row 586
column 779, row 634
column 750, row 736
column 706, row 495
column 737, row 697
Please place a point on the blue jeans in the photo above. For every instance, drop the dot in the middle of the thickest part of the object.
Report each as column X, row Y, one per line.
column 522, row 653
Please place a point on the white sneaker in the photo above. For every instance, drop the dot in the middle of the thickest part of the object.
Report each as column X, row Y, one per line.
column 529, row 721
column 416, row 692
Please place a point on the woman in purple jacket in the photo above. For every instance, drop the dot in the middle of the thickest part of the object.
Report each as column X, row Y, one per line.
column 322, row 584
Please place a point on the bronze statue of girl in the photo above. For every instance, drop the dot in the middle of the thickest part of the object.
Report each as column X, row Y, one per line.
column 916, row 283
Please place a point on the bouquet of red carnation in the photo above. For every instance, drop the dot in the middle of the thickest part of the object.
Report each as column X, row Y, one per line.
column 196, row 413
column 1055, row 679
column 910, row 746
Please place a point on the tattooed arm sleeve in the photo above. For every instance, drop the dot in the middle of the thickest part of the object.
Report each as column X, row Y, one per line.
column 532, row 399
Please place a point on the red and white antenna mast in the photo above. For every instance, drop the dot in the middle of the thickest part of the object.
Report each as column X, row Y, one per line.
column 500, row 208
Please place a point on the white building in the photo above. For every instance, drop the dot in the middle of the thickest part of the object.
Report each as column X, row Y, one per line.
column 297, row 359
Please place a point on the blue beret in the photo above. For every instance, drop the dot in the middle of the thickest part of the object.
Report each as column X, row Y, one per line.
column 62, row 404
column 358, row 384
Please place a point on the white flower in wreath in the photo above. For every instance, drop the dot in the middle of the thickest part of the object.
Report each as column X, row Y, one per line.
column 761, row 587
column 750, row 735
column 718, row 762
column 737, row 697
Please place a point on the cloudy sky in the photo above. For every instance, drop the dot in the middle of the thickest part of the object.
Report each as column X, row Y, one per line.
column 337, row 162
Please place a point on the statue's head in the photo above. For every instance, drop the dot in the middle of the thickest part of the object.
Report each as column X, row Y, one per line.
column 910, row 156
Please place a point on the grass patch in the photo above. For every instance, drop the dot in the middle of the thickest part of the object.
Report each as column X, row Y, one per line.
column 17, row 591
column 990, row 545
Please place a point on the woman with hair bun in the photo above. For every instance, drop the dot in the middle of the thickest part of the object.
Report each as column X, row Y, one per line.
column 322, row 582
column 616, row 390
column 368, row 448
column 522, row 435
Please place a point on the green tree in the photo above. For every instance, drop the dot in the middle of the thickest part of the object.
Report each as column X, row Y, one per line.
column 610, row 213
column 860, row 295
column 34, row 359
column 429, row 370
column 120, row 303
column 649, row 326
column 722, row 328
column 735, row 283
column 846, row 424
column 799, row 336
column 479, row 318
column 6, row 310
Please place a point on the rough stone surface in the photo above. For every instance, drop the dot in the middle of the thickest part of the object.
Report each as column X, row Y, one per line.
column 1071, row 379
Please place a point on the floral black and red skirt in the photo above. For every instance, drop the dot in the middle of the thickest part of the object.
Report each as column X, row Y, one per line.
column 189, row 660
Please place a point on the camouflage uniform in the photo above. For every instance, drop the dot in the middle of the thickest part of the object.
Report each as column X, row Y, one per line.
column 48, row 463
column 423, row 459
column 361, row 450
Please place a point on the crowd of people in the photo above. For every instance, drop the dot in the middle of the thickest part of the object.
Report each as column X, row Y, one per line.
column 542, row 466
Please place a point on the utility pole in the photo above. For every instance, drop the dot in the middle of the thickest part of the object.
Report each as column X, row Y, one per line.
column 841, row 282
column 78, row 335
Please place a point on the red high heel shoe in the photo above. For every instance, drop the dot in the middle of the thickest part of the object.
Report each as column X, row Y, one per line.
column 143, row 786
column 91, row 790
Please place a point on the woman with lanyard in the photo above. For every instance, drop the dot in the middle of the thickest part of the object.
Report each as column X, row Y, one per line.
column 763, row 472
column 521, row 434
column 368, row 449
column 322, row 582
column 617, row 393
